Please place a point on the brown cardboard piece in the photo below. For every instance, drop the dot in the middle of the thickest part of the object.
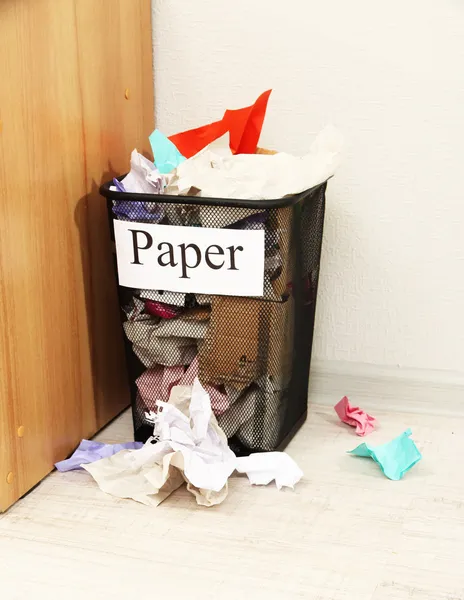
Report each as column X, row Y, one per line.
column 281, row 220
column 280, row 349
column 246, row 338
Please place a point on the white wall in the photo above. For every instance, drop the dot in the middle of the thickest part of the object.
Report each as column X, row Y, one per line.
column 390, row 75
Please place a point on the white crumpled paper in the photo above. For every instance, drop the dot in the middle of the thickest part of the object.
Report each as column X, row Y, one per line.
column 188, row 445
column 144, row 177
column 264, row 467
column 207, row 161
column 218, row 174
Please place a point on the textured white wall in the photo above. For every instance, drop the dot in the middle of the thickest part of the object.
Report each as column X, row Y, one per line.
column 390, row 75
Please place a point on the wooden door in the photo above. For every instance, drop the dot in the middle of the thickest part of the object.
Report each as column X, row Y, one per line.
column 76, row 96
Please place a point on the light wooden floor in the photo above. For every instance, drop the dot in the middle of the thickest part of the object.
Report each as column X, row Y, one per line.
column 346, row 533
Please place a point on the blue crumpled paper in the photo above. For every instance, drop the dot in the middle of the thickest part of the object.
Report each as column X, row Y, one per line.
column 394, row 458
column 88, row 452
column 167, row 157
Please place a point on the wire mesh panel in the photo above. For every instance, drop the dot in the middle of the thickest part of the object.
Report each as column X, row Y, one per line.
column 252, row 354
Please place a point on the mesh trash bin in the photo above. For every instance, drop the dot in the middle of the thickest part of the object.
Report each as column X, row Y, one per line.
column 252, row 354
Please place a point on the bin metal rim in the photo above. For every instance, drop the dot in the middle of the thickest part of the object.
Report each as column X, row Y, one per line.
column 290, row 200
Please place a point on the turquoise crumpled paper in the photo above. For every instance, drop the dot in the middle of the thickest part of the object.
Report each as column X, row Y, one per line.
column 167, row 156
column 395, row 458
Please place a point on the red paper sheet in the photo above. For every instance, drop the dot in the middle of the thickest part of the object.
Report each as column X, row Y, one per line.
column 244, row 126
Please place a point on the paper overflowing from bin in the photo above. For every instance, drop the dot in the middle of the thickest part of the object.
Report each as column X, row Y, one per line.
column 258, row 176
column 188, row 445
column 90, row 451
column 222, row 163
column 394, row 458
column 354, row 416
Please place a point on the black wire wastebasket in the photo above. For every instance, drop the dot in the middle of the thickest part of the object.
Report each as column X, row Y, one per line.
column 252, row 354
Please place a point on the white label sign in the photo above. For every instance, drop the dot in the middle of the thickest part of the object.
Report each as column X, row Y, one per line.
column 199, row 260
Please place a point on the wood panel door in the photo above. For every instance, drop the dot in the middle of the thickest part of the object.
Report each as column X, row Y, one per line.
column 76, row 96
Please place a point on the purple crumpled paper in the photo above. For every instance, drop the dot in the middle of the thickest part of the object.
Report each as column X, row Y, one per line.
column 89, row 452
column 137, row 211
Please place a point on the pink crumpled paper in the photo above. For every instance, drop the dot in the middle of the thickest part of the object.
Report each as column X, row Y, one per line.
column 156, row 384
column 354, row 416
